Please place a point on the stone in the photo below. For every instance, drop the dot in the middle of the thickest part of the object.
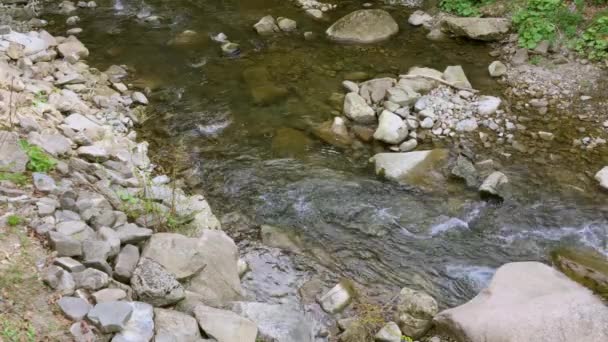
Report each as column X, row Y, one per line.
column 415, row 311
column 110, row 237
column 487, row 105
column 91, row 279
column 427, row 123
column 350, row 86
column 485, row 29
column 180, row 255
column 338, row 298
column 93, row 153
column 109, row 295
column 585, row 266
column 455, row 75
column 70, row 227
column 356, row 109
column 225, row 326
column 287, row 25
column 281, row 238
column 69, row 264
column 467, row 125
column 404, row 167
column 95, row 254
column 465, row 169
column 493, row 185
column 110, row 317
column 54, row 144
column 82, row 332
column 546, row 136
column 363, row 27
column 314, row 13
column 15, row 51
column 520, row 57
column 131, row 233
column 419, row 18
column 277, row 322
column 170, row 325
column 139, row 97
column 43, row 182
column 59, row 280
column 72, row 48
column 420, row 84
column 12, row 156
column 497, row 69
column 266, row 26
column 374, row 91
column 153, row 284
column 408, row 145
column 125, row 264
column 528, row 301
column 74, row 308
column 403, row 95
column 73, row 20
column 602, row 177
column 65, row 246
column 391, row 128
column 218, row 282
column 140, row 326
column 243, row 267
column 390, row 332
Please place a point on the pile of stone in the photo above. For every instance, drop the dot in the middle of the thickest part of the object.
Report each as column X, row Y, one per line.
column 100, row 209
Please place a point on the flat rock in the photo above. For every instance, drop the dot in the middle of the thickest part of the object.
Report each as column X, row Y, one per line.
column 391, row 128
column 131, row 233
column 91, row 279
column 363, row 27
column 225, row 326
column 171, row 325
column 74, row 308
column 403, row 167
column 12, row 156
column 140, row 326
column 110, row 316
column 109, row 295
column 528, row 301
column 486, row 29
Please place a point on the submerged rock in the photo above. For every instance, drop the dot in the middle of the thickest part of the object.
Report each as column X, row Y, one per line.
column 363, row 26
column 528, row 301
column 405, row 167
column 277, row 322
column 494, row 184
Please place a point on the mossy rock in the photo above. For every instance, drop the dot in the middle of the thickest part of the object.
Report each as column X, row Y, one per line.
column 586, row 267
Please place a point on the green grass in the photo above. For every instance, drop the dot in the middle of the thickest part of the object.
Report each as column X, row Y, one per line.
column 17, row 178
column 14, row 220
column 39, row 161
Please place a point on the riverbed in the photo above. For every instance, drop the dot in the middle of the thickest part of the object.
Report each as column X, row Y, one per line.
column 261, row 162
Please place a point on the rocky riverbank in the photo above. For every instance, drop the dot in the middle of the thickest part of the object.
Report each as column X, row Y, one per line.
column 134, row 257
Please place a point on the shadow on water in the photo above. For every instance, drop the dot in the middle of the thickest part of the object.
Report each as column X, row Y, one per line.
column 377, row 233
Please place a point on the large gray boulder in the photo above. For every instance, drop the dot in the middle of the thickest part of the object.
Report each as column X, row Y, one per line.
column 528, row 301
column 174, row 326
column 486, row 29
column 225, row 326
column 218, row 281
column 180, row 255
column 278, row 322
column 363, row 26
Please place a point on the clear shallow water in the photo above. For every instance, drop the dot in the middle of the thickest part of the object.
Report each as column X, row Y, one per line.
column 264, row 162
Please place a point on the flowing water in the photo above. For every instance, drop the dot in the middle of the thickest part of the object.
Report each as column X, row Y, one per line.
column 263, row 162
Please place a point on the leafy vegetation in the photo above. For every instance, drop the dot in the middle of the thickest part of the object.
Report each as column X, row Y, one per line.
column 463, row 8
column 39, row 160
column 594, row 40
column 17, row 178
column 14, row 220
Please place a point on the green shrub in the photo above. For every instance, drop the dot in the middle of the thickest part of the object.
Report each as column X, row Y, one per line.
column 14, row 220
column 594, row 40
column 535, row 22
column 39, row 160
column 463, row 8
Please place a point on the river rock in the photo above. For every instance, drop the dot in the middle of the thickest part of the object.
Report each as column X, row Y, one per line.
column 494, row 184
column 74, row 308
column 415, row 311
column 584, row 266
column 528, row 301
column 180, row 255
column 400, row 167
column 109, row 295
column 419, row 18
column 140, row 326
column 421, row 84
column 126, row 261
column 286, row 24
column 72, row 48
column 602, row 177
column 280, row 238
column 486, row 29
column 356, row 109
column 374, row 91
column 266, row 26
column 153, row 284
column 391, row 128
column 408, row 145
column 12, row 156
column 111, row 316
column 218, row 282
column 465, row 169
column 225, row 326
column 403, row 95
column 497, row 69
column 455, row 75
column 277, row 322
column 487, row 105
column 363, row 26
column 91, row 279
column 389, row 333
column 174, row 326
column 65, row 245
column 338, row 298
